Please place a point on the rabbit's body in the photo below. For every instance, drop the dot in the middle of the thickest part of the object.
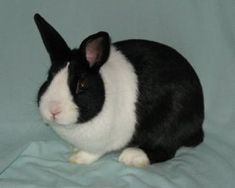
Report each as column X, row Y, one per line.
column 136, row 95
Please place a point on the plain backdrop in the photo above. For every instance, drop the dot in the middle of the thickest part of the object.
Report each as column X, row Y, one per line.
column 203, row 31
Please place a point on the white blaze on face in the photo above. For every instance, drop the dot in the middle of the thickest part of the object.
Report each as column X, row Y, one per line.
column 56, row 104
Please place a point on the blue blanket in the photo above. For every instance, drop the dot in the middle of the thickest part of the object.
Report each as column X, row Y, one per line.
column 31, row 155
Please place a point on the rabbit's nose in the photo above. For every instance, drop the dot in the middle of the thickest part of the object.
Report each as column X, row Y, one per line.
column 55, row 109
column 54, row 113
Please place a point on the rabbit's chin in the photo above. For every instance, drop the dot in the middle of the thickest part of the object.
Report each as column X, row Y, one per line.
column 61, row 124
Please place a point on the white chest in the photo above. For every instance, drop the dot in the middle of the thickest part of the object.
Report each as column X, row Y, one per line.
column 114, row 126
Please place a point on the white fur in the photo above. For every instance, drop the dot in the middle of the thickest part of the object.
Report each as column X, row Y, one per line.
column 83, row 157
column 134, row 157
column 114, row 126
column 58, row 96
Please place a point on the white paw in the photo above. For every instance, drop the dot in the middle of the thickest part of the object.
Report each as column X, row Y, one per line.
column 134, row 157
column 83, row 157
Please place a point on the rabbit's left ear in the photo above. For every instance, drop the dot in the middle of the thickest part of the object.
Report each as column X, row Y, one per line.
column 96, row 49
column 54, row 43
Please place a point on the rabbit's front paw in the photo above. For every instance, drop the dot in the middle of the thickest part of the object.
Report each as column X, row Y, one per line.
column 83, row 157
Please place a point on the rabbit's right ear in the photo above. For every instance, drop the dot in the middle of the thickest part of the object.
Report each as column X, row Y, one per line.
column 54, row 43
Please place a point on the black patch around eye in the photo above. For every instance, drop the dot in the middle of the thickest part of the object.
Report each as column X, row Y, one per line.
column 81, row 86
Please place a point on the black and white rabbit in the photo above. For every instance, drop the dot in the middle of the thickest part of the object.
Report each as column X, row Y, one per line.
column 136, row 95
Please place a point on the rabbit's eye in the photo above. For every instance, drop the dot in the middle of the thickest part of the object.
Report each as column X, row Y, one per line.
column 81, row 85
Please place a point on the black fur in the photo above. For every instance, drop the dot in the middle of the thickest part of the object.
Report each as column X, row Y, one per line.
column 90, row 97
column 170, row 107
column 54, row 43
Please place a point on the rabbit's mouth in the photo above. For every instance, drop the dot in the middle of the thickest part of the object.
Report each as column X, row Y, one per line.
column 63, row 117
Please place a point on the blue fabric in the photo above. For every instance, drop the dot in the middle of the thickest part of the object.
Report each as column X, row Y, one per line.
column 31, row 155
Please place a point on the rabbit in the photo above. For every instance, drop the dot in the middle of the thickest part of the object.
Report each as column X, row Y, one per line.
column 138, row 97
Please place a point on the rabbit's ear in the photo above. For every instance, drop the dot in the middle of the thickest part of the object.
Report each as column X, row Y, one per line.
column 96, row 49
column 54, row 43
